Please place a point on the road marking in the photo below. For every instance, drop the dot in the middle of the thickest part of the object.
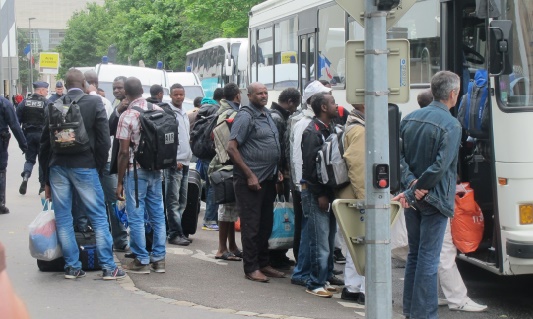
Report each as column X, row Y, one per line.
column 351, row 305
column 210, row 258
column 362, row 314
column 180, row 251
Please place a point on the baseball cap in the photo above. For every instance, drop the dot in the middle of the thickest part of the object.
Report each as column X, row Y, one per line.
column 313, row 88
column 59, row 84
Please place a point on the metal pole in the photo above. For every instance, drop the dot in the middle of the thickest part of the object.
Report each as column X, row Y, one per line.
column 31, row 55
column 377, row 222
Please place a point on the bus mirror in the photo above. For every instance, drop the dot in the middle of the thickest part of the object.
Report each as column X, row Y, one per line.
column 501, row 45
column 394, row 148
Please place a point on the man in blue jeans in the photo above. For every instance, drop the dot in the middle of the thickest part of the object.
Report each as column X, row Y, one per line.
column 317, row 198
column 79, row 171
column 177, row 179
column 431, row 138
column 150, row 196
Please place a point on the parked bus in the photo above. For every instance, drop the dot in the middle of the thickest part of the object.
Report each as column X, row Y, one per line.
column 306, row 37
column 218, row 62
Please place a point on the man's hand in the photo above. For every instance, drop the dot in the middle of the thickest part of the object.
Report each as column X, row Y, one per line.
column 401, row 198
column 323, row 203
column 420, row 193
column 47, row 192
column 280, row 176
column 123, row 106
column 253, row 183
column 179, row 166
column 120, row 192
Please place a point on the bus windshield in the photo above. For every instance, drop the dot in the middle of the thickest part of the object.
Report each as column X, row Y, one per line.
column 515, row 89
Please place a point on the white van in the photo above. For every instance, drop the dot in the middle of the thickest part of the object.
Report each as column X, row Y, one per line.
column 190, row 81
column 107, row 72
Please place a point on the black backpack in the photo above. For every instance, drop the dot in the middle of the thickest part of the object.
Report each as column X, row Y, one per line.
column 202, row 143
column 158, row 144
column 67, row 129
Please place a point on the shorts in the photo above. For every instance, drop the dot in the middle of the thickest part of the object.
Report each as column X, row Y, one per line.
column 228, row 213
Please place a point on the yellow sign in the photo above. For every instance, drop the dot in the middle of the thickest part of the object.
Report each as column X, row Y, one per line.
column 49, row 60
column 288, row 57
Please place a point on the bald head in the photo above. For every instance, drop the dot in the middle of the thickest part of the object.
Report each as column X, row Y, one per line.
column 133, row 88
column 254, row 87
column 91, row 77
column 424, row 98
column 75, row 79
column 258, row 94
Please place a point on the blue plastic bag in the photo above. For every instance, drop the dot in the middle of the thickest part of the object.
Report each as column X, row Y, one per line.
column 120, row 212
column 282, row 236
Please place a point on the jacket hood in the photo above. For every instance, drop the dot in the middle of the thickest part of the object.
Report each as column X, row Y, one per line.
column 355, row 117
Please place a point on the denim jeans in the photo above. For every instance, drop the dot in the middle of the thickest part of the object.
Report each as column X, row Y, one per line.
column 149, row 185
column 303, row 267
column 425, row 233
column 176, row 183
column 321, row 231
column 85, row 181
column 109, row 185
column 211, row 209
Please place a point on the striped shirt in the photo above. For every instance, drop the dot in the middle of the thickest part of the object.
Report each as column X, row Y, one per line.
column 129, row 125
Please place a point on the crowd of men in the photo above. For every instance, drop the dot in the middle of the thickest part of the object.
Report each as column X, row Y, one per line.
column 272, row 151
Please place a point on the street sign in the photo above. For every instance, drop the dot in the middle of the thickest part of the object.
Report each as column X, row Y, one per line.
column 398, row 65
column 356, row 9
column 49, row 62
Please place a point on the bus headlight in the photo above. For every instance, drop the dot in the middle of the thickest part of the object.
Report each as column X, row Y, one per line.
column 526, row 214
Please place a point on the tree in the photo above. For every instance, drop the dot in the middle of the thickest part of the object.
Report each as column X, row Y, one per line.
column 24, row 64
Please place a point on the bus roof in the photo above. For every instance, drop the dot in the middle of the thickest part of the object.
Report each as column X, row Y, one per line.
column 218, row 42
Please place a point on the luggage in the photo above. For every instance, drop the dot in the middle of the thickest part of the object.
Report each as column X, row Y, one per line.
column 467, row 224
column 88, row 257
column 473, row 113
column 189, row 220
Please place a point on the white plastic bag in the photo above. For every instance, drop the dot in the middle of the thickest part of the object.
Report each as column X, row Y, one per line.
column 44, row 243
column 399, row 242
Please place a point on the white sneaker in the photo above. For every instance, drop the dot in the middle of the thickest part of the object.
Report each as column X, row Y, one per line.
column 330, row 288
column 320, row 292
column 469, row 306
column 443, row 302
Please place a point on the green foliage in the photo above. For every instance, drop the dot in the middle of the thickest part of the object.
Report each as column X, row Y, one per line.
column 150, row 30
column 24, row 63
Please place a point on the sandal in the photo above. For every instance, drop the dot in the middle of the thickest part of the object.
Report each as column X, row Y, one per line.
column 228, row 256
column 238, row 253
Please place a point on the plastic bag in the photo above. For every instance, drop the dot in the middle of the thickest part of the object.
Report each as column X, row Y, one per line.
column 282, row 236
column 120, row 212
column 44, row 243
column 399, row 241
column 467, row 224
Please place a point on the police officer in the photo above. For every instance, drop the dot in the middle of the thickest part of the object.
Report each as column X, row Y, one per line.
column 59, row 92
column 8, row 119
column 30, row 113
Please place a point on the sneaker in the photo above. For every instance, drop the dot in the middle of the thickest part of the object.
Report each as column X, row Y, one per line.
column 330, row 288
column 135, row 267
column 41, row 189
column 114, row 274
column 320, row 292
column 338, row 257
column 210, row 227
column 361, row 299
column 71, row 273
column 334, row 280
column 187, row 238
column 337, row 272
column 469, row 306
column 351, row 296
column 122, row 249
column 299, row 282
column 23, row 186
column 158, row 266
column 443, row 302
column 179, row 240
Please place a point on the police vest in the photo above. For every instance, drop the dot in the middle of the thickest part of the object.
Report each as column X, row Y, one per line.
column 33, row 112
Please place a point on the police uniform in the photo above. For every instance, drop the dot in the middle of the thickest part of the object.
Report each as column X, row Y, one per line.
column 55, row 96
column 8, row 120
column 30, row 113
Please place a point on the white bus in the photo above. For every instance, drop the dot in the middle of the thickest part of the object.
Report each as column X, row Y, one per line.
column 218, row 62
column 290, row 38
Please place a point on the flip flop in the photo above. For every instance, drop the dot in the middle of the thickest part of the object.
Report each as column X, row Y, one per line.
column 238, row 253
column 228, row 256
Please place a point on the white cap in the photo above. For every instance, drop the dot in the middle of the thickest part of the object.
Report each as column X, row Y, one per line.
column 313, row 88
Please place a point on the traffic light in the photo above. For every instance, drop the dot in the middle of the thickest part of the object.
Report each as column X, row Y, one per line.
column 387, row 5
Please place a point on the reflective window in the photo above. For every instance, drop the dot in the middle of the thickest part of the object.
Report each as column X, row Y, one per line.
column 265, row 57
column 286, row 53
column 331, row 43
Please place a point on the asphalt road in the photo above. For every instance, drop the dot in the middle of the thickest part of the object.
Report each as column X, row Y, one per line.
column 198, row 286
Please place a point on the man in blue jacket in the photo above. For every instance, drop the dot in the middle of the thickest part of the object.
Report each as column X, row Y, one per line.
column 430, row 138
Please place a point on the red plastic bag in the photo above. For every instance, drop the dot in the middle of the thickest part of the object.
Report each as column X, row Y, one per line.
column 238, row 225
column 467, row 224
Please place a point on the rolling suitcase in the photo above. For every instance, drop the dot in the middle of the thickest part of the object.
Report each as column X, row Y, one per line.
column 189, row 220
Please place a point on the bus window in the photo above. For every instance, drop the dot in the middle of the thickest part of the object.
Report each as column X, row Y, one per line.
column 286, row 46
column 516, row 90
column 331, row 42
column 253, row 55
column 265, row 57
